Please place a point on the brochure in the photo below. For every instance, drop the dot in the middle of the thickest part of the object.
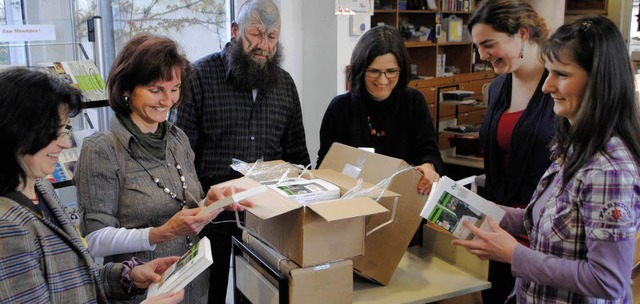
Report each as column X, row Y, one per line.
column 449, row 204
column 182, row 272
column 308, row 191
column 83, row 75
column 235, row 198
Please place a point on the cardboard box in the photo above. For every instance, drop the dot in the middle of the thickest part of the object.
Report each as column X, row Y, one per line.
column 386, row 246
column 326, row 283
column 438, row 243
column 309, row 235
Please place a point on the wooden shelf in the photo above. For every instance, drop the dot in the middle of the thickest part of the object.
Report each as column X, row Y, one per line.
column 384, row 11
column 417, row 11
column 455, row 43
column 415, row 44
column 455, row 12
column 449, row 156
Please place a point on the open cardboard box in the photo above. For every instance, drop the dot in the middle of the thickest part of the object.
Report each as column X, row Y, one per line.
column 318, row 233
column 386, row 246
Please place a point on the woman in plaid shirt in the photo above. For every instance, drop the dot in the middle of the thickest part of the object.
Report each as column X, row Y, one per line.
column 584, row 215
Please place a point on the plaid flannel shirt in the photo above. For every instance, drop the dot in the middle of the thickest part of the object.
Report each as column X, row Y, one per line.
column 223, row 122
column 602, row 203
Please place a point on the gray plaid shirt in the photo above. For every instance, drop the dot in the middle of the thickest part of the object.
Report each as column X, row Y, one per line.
column 223, row 122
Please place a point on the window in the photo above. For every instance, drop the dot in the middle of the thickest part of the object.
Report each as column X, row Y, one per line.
column 199, row 26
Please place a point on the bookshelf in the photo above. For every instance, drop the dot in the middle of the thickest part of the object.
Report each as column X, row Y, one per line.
column 462, row 68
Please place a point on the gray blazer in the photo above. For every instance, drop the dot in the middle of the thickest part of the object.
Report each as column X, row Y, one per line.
column 45, row 264
column 139, row 203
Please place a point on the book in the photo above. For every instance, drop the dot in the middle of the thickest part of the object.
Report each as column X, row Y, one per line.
column 183, row 271
column 235, row 198
column 308, row 191
column 457, row 95
column 449, row 204
column 83, row 75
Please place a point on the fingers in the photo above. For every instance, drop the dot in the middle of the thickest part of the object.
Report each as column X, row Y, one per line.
column 167, row 298
column 493, row 224
column 429, row 176
column 472, row 228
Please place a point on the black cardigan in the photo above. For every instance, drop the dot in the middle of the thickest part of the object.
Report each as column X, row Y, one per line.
column 404, row 116
column 529, row 155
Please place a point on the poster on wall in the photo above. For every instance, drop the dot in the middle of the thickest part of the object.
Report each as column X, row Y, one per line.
column 352, row 7
column 579, row 7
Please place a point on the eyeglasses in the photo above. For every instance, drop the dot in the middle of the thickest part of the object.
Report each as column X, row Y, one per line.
column 389, row 74
column 66, row 133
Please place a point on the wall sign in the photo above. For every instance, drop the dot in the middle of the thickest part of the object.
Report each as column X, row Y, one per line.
column 27, row 32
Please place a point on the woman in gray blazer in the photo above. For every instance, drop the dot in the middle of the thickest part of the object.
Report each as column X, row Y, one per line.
column 42, row 257
column 137, row 183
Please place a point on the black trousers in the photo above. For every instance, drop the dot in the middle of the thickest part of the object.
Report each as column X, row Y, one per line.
column 219, row 233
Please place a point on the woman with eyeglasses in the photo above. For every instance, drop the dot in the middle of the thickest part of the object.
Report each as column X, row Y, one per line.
column 585, row 213
column 42, row 255
column 381, row 111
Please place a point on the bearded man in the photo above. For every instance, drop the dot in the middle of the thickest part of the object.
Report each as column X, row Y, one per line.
column 243, row 106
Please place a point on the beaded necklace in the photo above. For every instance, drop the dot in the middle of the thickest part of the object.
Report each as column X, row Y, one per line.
column 173, row 195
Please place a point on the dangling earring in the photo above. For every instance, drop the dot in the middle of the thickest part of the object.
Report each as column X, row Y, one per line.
column 522, row 51
column 126, row 100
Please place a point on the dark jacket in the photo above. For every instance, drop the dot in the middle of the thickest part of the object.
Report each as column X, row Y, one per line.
column 529, row 151
column 404, row 116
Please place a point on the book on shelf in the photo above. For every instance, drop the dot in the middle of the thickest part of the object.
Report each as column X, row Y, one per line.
column 65, row 167
column 457, row 95
column 183, row 271
column 307, row 191
column 449, row 204
column 83, row 75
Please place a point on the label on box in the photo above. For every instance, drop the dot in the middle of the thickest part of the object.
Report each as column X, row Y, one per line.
column 351, row 171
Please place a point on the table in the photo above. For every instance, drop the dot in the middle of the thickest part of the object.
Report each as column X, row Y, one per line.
column 419, row 278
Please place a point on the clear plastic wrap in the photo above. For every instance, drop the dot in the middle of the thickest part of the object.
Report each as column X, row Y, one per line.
column 273, row 172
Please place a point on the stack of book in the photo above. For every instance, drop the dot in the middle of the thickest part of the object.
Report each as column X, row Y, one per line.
column 308, row 191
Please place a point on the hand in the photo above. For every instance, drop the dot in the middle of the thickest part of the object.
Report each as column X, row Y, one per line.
column 215, row 194
column 429, row 176
column 497, row 244
column 184, row 223
column 151, row 272
column 167, row 298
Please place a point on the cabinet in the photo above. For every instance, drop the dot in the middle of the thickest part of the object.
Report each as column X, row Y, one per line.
column 463, row 70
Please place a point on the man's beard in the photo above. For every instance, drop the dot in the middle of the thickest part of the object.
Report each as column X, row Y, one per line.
column 250, row 74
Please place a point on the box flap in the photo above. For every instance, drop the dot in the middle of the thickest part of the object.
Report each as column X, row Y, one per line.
column 267, row 204
column 345, row 182
column 375, row 168
column 344, row 209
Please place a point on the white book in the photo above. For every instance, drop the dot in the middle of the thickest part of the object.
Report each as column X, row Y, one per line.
column 308, row 191
column 449, row 204
column 182, row 272
column 235, row 198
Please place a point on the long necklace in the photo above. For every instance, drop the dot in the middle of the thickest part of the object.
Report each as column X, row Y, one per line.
column 373, row 130
column 172, row 194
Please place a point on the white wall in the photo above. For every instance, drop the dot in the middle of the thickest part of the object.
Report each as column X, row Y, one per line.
column 326, row 49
